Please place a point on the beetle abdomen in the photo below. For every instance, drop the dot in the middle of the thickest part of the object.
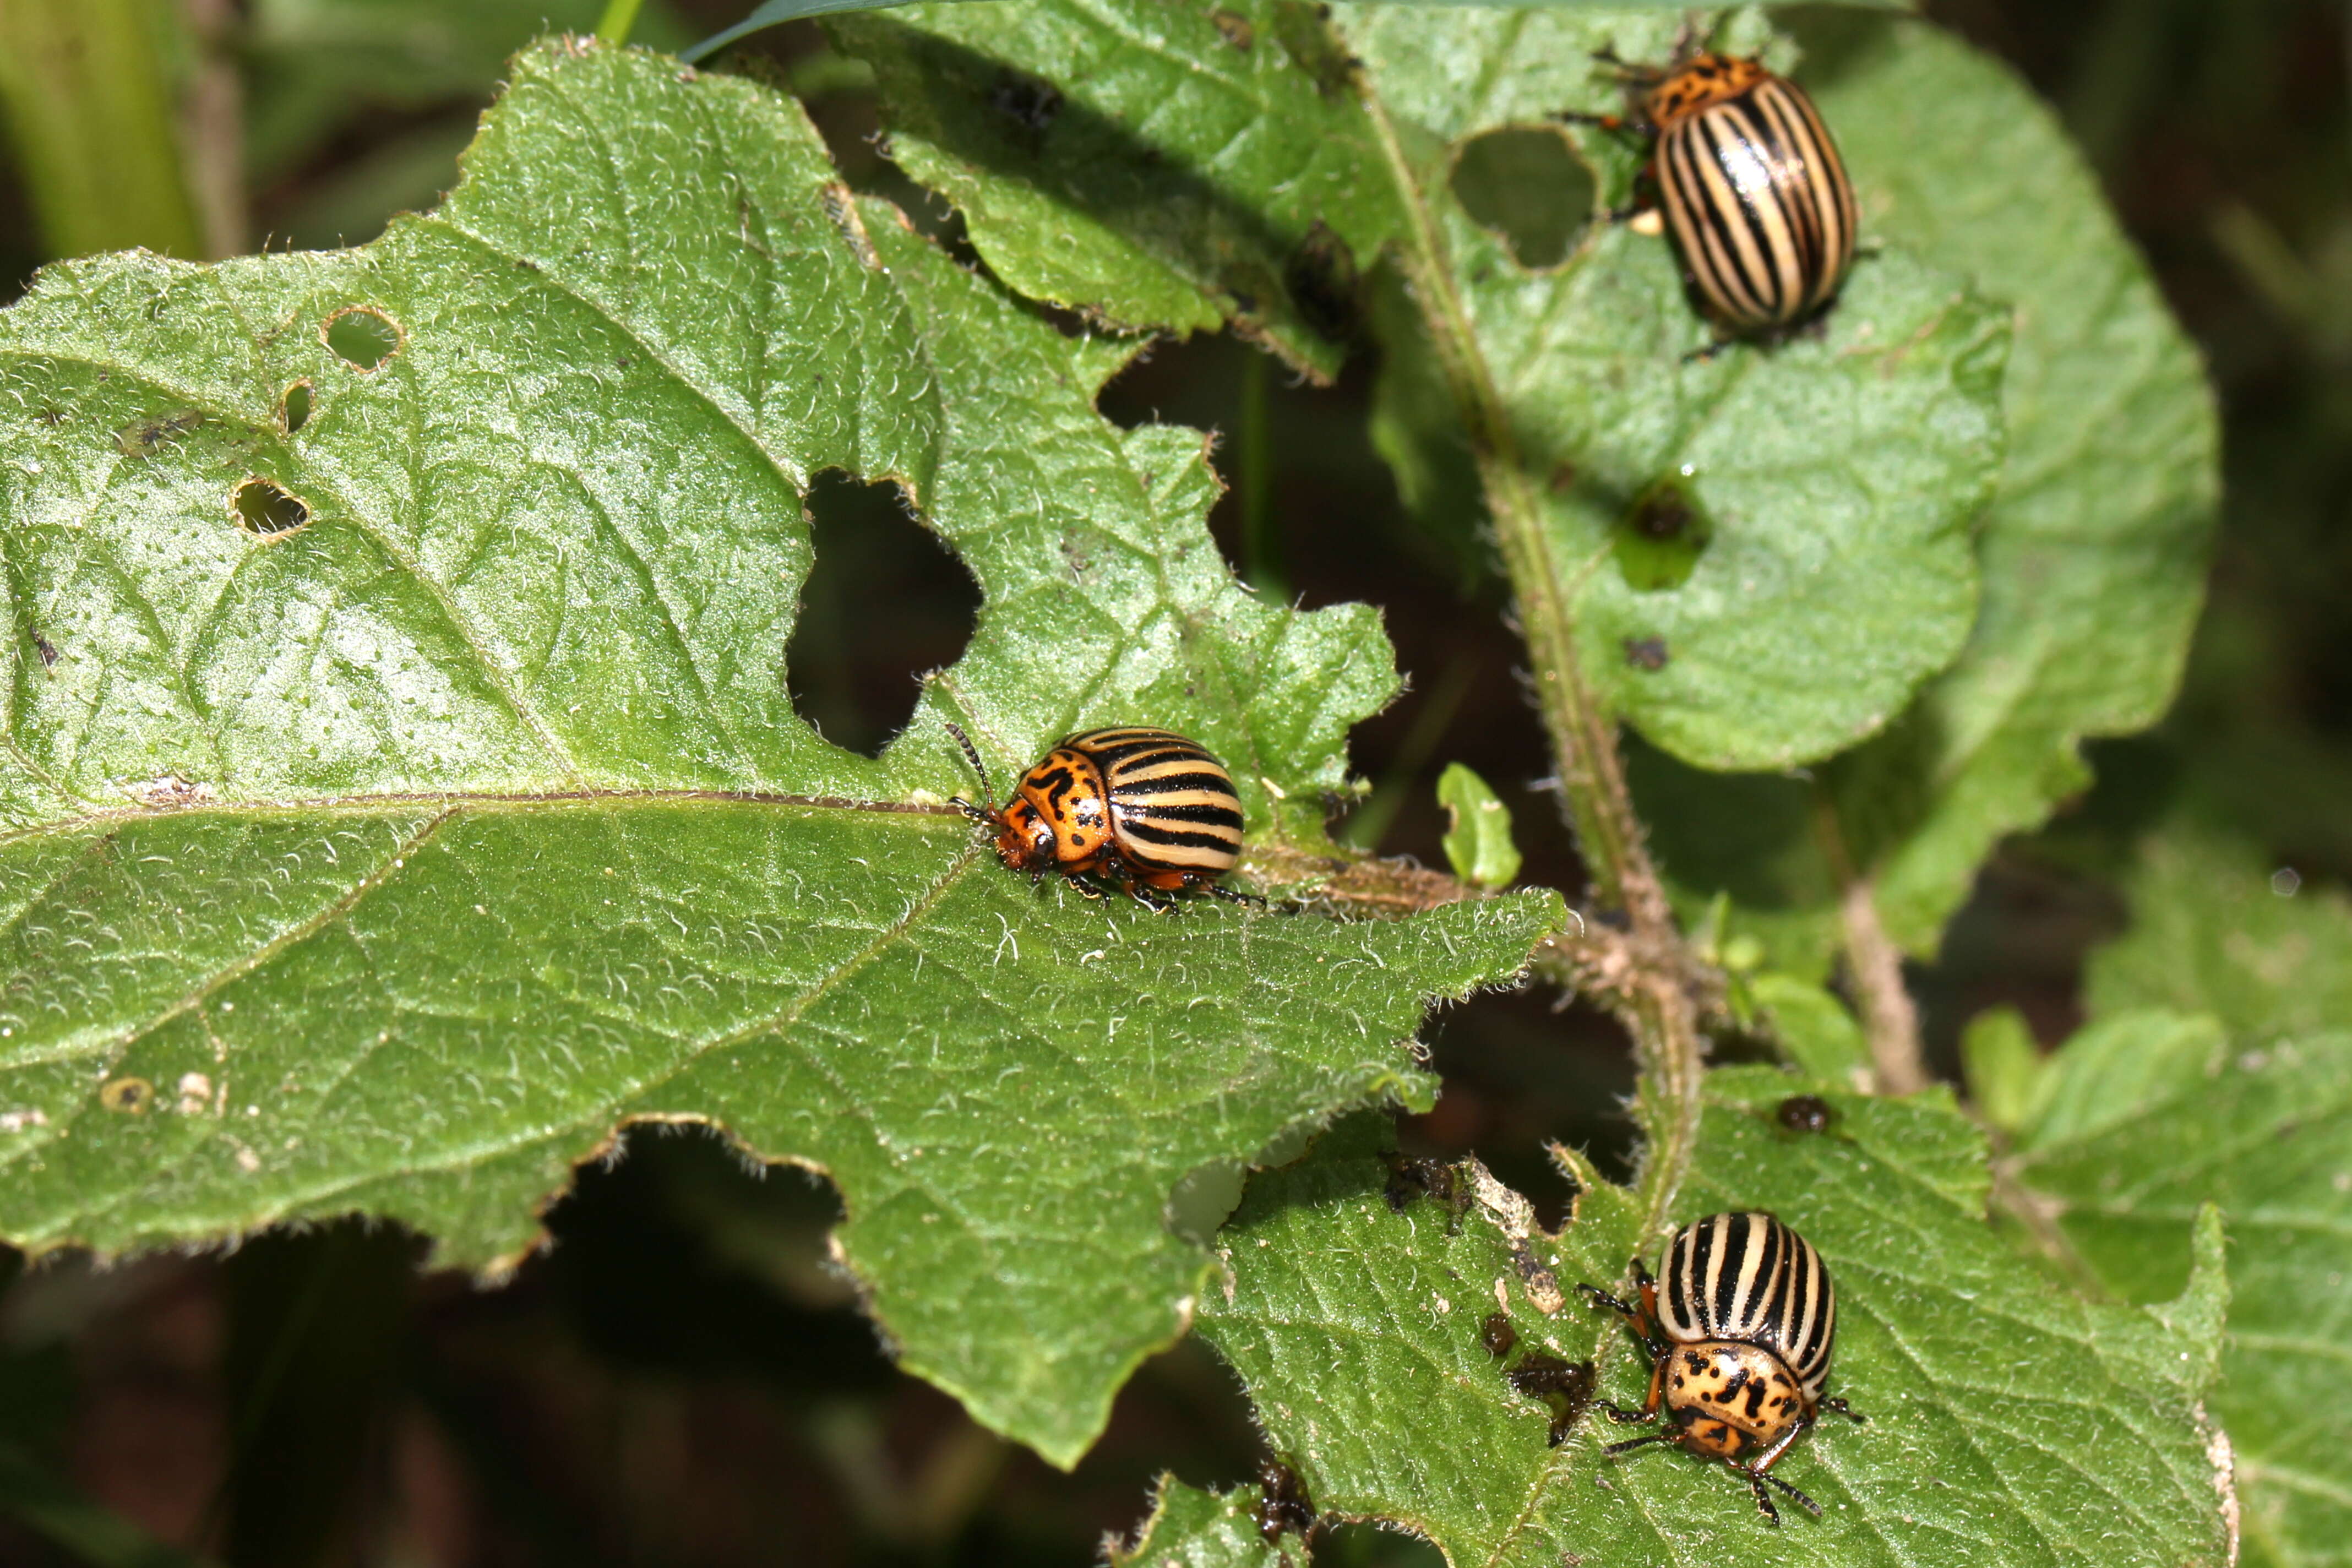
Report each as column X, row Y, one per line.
column 1747, row 1279
column 1172, row 805
column 1760, row 204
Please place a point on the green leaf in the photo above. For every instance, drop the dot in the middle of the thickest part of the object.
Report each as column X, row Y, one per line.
column 413, row 798
column 1190, row 1528
column 2215, row 929
column 2002, row 1065
column 773, row 13
column 2010, row 1422
column 1815, row 1029
column 1180, row 170
column 2093, row 552
column 1478, row 831
column 2267, row 1133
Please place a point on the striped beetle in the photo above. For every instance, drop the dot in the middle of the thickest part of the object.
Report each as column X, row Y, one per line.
column 1751, row 184
column 1141, row 807
column 1739, row 1343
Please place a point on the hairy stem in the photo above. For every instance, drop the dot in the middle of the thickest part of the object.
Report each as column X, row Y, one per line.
column 1656, row 1001
column 1874, row 965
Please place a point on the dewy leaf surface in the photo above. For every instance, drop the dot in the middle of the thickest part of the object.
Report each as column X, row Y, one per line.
column 2219, row 1069
column 2011, row 1421
column 389, row 861
column 1176, row 169
column 2264, row 1131
column 2092, row 552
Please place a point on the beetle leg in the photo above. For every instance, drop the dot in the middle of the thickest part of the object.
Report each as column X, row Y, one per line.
column 1756, row 1479
column 979, row 814
column 1232, row 896
column 1763, row 1500
column 1622, row 1415
column 1600, row 1298
column 1843, row 1408
column 1771, row 1455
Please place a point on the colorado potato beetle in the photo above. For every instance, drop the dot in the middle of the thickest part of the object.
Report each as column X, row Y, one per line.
column 1739, row 1344
column 1751, row 185
column 1143, row 808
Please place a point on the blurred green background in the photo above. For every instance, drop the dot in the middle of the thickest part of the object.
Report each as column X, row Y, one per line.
column 680, row 1380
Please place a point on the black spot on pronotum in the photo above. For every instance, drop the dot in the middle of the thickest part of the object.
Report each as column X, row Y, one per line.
column 362, row 337
column 1805, row 1113
column 1646, row 653
column 129, row 1096
column 146, row 437
column 852, row 672
column 294, row 407
column 266, row 508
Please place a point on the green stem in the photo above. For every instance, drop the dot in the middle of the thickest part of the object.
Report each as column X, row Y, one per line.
column 620, row 16
column 1657, row 1008
column 88, row 109
column 1261, row 557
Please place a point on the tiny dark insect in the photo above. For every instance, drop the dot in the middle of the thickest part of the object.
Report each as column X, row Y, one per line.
column 1144, row 809
column 1663, row 513
column 1283, row 1503
column 47, row 650
column 1566, row 1386
column 1646, row 653
column 1497, row 1335
column 1805, row 1113
column 1739, row 1344
column 1029, row 102
column 1751, row 185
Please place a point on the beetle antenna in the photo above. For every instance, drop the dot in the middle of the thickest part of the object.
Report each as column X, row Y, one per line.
column 1672, row 1434
column 971, row 755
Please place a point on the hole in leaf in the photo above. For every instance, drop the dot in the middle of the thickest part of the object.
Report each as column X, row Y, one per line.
column 1662, row 536
column 267, row 509
column 362, row 337
column 294, row 407
column 884, row 602
column 1527, row 184
column 1358, row 1544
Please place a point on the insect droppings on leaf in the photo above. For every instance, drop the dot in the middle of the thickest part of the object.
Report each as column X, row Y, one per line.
column 129, row 1096
column 1647, row 653
column 146, row 437
column 1805, row 1113
column 1283, row 1504
column 1566, row 1386
column 1497, row 1335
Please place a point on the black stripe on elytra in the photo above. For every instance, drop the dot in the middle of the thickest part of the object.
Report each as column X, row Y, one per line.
column 1735, row 1244
column 1207, row 813
column 1721, row 271
column 1745, row 202
column 1174, row 837
column 1168, row 784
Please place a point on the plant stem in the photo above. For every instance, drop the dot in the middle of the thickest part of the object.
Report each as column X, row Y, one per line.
column 620, row 16
column 1655, row 1003
column 1874, row 965
column 88, row 108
